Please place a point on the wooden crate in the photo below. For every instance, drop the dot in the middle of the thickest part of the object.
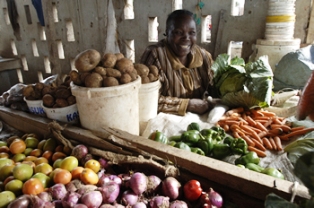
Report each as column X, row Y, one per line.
column 240, row 186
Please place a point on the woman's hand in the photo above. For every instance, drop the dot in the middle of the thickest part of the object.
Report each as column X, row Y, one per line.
column 198, row 106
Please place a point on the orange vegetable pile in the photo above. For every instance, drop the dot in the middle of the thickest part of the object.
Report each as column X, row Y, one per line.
column 261, row 129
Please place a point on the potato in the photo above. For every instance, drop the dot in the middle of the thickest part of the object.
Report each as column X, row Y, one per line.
column 28, row 91
column 110, row 82
column 124, row 65
column 110, row 72
column 145, row 79
column 93, row 80
column 71, row 100
column 119, row 56
column 109, row 60
column 83, row 76
column 75, row 77
column 141, row 69
column 100, row 70
column 152, row 77
column 48, row 100
column 87, row 60
column 125, row 78
column 39, row 86
column 133, row 75
column 62, row 103
column 63, row 93
column 154, row 70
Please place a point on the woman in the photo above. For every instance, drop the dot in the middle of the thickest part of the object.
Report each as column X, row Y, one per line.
column 184, row 67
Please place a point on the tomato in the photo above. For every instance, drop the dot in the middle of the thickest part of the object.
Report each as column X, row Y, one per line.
column 88, row 176
column 17, row 146
column 32, row 186
column 192, row 190
column 69, row 163
column 62, row 176
column 93, row 164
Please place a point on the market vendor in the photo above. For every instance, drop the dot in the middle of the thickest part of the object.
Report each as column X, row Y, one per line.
column 184, row 67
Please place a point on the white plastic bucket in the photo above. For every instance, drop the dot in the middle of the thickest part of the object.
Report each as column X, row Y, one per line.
column 116, row 107
column 148, row 102
column 35, row 107
column 67, row 114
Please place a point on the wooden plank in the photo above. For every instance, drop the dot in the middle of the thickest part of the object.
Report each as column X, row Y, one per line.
column 10, row 63
column 310, row 32
column 249, row 185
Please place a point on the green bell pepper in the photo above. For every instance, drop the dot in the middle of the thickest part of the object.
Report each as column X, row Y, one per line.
column 221, row 151
column 182, row 145
column 209, row 133
column 158, row 136
column 254, row 167
column 171, row 143
column 193, row 126
column 175, row 138
column 197, row 150
column 250, row 157
column 228, row 140
column 206, row 145
column 190, row 136
column 241, row 166
column 239, row 146
column 273, row 172
column 221, row 132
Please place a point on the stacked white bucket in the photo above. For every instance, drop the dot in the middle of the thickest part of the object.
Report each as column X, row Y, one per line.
column 279, row 32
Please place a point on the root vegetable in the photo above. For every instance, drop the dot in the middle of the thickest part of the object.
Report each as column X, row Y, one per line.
column 45, row 196
column 110, row 72
column 74, row 185
column 75, row 77
column 79, row 151
column 159, row 202
column 105, row 179
column 139, row 205
column 110, row 192
column 70, row 199
column 129, row 198
column 109, row 60
column 87, row 60
column 110, row 81
column 145, row 79
column 58, row 191
column 101, row 70
column 86, row 189
column 48, row 100
column 92, row 199
column 21, row 202
column 80, row 206
column 215, row 198
column 153, row 184
column 138, row 183
column 124, row 65
column 154, row 70
column 141, row 69
column 170, row 187
column 125, row 78
column 119, row 56
column 178, row 204
column 93, row 80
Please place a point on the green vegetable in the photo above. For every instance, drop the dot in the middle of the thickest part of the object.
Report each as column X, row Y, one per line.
column 209, row 133
column 182, row 145
column 206, row 144
column 228, row 140
column 175, row 138
column 158, row 136
column 240, row 166
column 171, row 143
column 240, row 84
column 239, row 146
column 190, row 136
column 193, row 126
column 221, row 132
column 254, row 167
column 273, row 172
column 221, row 151
column 299, row 147
column 250, row 157
column 197, row 150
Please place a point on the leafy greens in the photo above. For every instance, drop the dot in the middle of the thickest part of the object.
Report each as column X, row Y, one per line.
column 243, row 84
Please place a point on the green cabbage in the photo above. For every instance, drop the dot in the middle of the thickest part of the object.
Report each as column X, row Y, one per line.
column 241, row 84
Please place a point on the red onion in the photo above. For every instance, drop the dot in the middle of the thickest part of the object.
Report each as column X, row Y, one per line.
column 58, row 191
column 74, row 185
column 70, row 199
column 86, row 158
column 129, row 198
column 171, row 187
column 39, row 203
column 109, row 178
column 86, row 188
column 79, row 151
column 178, row 204
column 215, row 198
column 103, row 163
column 138, row 183
column 110, row 192
column 21, row 202
column 45, row 196
column 92, row 199
column 57, row 203
column 159, row 202
column 139, row 205
column 107, row 206
column 80, row 206
column 153, row 184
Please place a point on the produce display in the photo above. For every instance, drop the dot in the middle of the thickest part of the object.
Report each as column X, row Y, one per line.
column 94, row 70
column 38, row 172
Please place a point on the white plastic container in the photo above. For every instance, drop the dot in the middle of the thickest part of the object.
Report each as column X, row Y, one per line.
column 67, row 114
column 148, row 102
column 35, row 107
column 115, row 107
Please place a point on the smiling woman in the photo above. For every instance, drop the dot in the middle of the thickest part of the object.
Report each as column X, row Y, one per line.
column 184, row 67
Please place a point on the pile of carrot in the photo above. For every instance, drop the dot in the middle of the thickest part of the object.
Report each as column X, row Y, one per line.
column 261, row 129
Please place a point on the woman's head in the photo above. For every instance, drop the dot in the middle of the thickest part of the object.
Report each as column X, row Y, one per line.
column 181, row 32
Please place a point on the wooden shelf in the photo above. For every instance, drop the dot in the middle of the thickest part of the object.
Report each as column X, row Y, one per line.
column 9, row 63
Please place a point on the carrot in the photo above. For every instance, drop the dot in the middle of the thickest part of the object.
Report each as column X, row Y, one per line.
column 256, row 137
column 261, row 118
column 247, row 128
column 226, row 127
column 230, row 122
column 243, row 121
column 275, row 132
column 261, row 126
column 262, row 134
column 248, row 140
column 250, row 121
column 277, row 121
column 273, row 144
column 267, row 143
column 256, row 113
column 278, row 143
column 297, row 128
column 234, row 110
column 256, row 129
column 260, row 153
column 284, row 127
column 296, row 133
column 268, row 113
column 268, row 123
column 258, row 145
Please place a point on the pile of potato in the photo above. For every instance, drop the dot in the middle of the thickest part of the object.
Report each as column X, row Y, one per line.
column 95, row 70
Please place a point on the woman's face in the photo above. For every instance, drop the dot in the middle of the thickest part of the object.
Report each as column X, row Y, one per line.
column 181, row 35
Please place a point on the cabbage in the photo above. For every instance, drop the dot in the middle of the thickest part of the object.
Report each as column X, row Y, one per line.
column 241, row 84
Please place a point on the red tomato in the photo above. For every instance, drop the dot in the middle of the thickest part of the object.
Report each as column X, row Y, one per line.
column 192, row 190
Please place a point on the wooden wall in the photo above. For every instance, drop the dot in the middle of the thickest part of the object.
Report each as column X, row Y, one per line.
column 41, row 57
